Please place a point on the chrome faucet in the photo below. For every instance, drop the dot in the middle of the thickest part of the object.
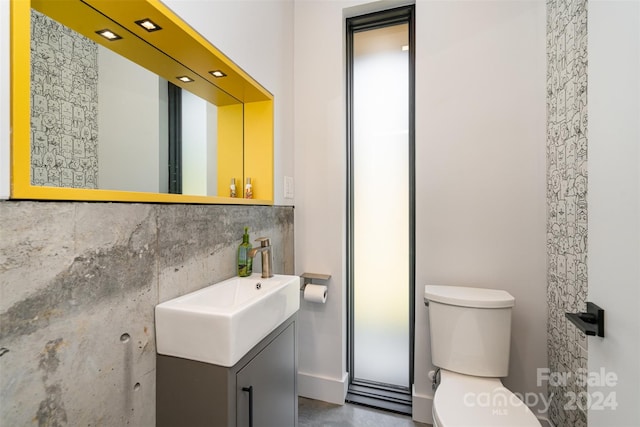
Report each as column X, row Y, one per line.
column 267, row 256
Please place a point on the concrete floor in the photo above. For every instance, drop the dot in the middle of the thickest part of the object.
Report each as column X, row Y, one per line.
column 314, row 413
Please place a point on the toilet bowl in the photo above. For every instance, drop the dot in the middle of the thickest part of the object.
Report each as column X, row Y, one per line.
column 470, row 331
column 468, row 401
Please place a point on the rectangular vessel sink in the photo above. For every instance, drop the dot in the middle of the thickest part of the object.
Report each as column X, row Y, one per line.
column 220, row 323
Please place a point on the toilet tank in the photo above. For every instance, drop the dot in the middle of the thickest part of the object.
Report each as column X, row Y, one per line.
column 470, row 329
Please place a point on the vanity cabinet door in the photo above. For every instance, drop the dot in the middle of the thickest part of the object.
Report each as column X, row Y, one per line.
column 266, row 386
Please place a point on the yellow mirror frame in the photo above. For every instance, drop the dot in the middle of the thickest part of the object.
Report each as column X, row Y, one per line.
column 186, row 46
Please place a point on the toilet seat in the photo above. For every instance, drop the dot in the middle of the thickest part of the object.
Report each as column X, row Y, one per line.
column 468, row 401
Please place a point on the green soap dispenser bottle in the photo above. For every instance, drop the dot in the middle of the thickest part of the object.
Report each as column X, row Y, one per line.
column 245, row 262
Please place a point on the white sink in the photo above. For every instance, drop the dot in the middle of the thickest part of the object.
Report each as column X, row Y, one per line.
column 220, row 323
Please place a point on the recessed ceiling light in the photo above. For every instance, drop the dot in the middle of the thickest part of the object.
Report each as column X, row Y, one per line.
column 217, row 74
column 108, row 34
column 148, row 25
column 185, row 79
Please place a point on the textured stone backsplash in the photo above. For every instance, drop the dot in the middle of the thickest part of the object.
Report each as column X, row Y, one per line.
column 78, row 286
column 566, row 204
column 64, row 106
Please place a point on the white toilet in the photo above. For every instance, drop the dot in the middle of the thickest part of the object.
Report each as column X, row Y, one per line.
column 470, row 338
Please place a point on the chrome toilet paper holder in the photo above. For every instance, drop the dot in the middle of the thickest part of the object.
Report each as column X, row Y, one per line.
column 308, row 278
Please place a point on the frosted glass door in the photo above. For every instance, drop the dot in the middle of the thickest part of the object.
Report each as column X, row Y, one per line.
column 381, row 246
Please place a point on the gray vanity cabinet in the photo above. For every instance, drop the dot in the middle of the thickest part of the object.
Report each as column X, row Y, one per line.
column 268, row 383
column 258, row 391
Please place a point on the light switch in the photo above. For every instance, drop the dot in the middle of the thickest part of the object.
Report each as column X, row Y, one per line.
column 288, row 187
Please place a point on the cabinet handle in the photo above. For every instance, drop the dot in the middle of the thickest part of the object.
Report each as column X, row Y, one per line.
column 250, row 390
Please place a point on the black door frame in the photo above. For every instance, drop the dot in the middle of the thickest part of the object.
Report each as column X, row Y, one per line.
column 175, row 138
column 361, row 391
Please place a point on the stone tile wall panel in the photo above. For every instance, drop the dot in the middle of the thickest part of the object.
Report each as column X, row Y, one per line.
column 566, row 202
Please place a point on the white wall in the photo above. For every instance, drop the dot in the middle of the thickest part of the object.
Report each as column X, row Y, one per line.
column 614, row 205
column 4, row 99
column 320, row 192
column 199, row 146
column 480, row 171
column 480, row 165
column 128, row 110
column 194, row 144
column 212, row 155
column 258, row 36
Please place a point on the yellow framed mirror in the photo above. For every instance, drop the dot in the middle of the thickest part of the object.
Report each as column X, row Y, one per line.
column 51, row 137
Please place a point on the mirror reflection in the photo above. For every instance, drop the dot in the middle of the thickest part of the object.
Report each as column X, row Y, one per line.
column 98, row 120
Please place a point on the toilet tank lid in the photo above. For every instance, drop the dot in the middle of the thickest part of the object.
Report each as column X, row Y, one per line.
column 469, row 297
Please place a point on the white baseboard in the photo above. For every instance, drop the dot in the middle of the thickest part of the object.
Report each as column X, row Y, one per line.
column 421, row 410
column 317, row 387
